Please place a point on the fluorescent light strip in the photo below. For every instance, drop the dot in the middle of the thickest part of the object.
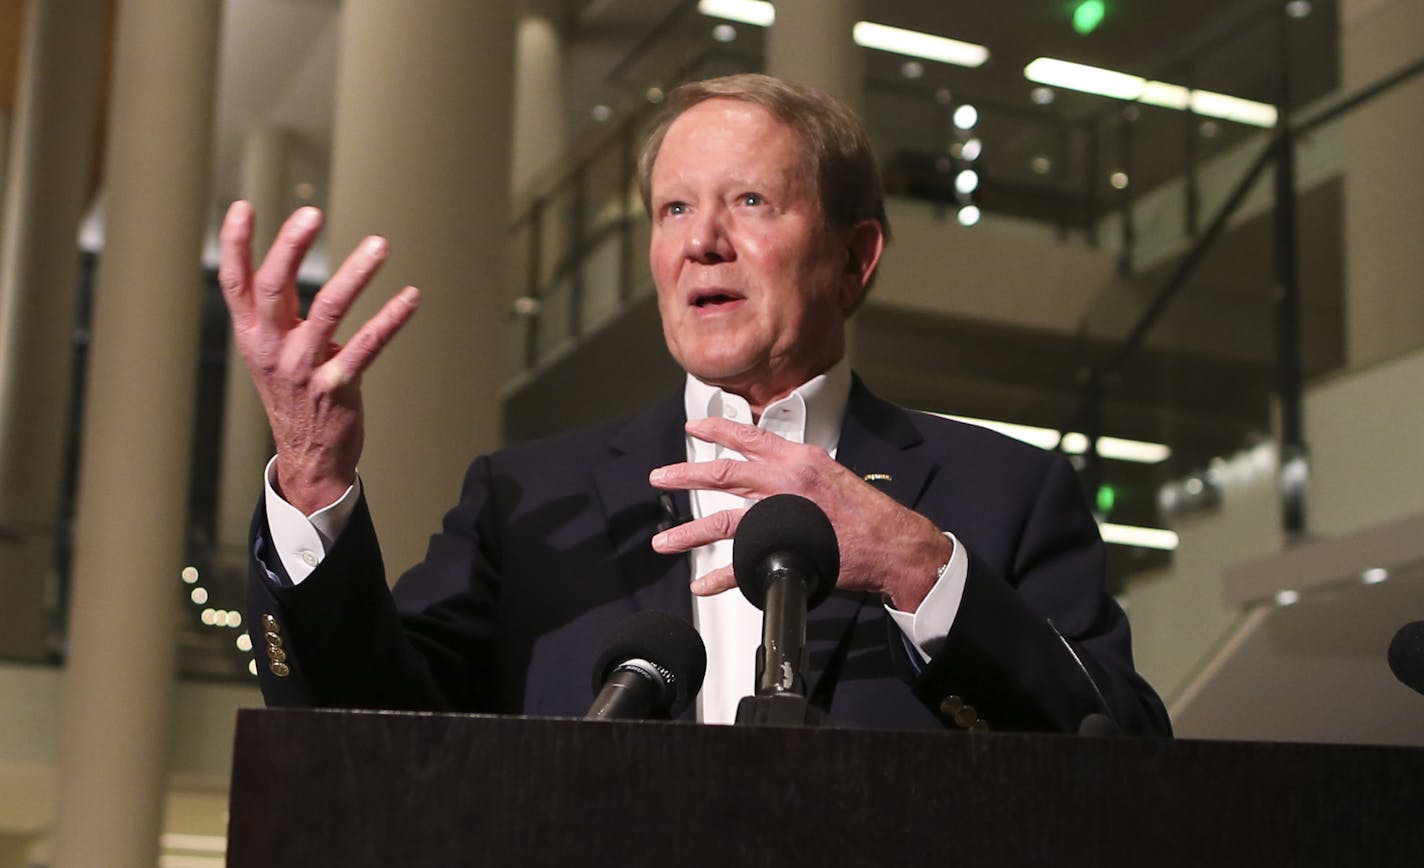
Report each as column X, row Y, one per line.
column 912, row 43
column 755, row 12
column 1121, row 85
column 867, row 34
column 1074, row 443
column 1142, row 537
column 198, row 843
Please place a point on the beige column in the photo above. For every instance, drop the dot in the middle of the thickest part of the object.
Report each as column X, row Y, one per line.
column 810, row 42
column 246, row 439
column 539, row 135
column 47, row 185
column 1384, row 181
column 138, row 424
column 420, row 154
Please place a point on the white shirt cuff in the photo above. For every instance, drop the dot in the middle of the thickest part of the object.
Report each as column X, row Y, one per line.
column 302, row 541
column 927, row 626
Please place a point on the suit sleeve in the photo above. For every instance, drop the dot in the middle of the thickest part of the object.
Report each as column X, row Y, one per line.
column 338, row 639
column 1045, row 646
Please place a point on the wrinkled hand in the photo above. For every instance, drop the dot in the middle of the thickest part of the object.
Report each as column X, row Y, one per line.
column 884, row 546
column 310, row 386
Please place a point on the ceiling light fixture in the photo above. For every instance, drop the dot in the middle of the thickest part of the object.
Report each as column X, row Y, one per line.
column 1121, row 85
column 1074, row 443
column 912, row 43
column 867, row 34
column 755, row 12
column 1142, row 537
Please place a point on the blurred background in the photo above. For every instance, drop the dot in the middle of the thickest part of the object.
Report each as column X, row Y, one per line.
column 1178, row 242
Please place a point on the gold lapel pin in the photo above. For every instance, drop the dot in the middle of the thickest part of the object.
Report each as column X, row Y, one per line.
column 877, row 477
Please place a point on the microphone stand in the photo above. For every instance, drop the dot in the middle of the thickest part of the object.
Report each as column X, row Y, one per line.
column 780, row 698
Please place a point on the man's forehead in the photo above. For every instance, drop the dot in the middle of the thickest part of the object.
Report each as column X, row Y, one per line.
column 748, row 136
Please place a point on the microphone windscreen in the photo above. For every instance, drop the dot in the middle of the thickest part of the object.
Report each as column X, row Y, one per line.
column 785, row 524
column 666, row 641
column 1406, row 655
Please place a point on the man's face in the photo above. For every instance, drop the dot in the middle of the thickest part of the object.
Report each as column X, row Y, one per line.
column 753, row 286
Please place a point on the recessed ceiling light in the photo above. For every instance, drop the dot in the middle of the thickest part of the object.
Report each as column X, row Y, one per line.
column 912, row 69
column 1118, row 180
column 1122, row 85
column 1041, row 95
column 966, row 116
column 1142, row 537
column 896, row 40
column 755, row 12
column 724, row 33
column 968, row 215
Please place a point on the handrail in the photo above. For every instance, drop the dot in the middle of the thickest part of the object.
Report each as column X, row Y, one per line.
column 1088, row 409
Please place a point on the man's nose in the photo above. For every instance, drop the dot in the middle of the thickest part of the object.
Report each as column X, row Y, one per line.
column 707, row 240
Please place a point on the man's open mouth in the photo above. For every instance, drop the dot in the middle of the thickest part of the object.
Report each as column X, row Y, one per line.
column 714, row 298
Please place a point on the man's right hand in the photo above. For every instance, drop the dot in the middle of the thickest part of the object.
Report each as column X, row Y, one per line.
column 310, row 385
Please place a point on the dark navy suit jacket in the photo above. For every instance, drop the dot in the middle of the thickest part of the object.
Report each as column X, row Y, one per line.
column 548, row 551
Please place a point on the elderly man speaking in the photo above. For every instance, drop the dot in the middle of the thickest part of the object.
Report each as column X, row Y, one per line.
column 970, row 591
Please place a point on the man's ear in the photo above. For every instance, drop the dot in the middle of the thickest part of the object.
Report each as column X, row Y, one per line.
column 864, row 243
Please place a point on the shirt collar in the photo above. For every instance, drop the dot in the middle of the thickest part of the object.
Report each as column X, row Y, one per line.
column 812, row 413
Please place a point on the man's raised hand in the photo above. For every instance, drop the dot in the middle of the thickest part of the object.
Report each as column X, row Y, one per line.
column 309, row 384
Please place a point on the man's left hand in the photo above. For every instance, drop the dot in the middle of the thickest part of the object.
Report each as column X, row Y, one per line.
column 884, row 546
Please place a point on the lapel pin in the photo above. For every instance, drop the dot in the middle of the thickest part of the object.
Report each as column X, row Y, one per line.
column 877, row 477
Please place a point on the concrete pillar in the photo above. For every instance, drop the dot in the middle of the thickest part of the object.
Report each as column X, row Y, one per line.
column 539, row 134
column 47, row 187
column 420, row 154
column 246, row 439
column 810, row 42
column 138, row 423
column 1384, row 181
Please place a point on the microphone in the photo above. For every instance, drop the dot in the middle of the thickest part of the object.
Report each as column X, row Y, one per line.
column 786, row 560
column 1406, row 656
column 1098, row 725
column 651, row 668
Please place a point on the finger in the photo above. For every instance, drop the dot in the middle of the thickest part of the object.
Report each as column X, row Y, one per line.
column 359, row 352
column 741, row 478
column 275, row 284
column 715, row 582
column 235, row 261
column 749, row 440
column 699, row 532
column 331, row 304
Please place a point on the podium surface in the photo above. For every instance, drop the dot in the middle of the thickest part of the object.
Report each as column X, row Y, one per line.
column 390, row 788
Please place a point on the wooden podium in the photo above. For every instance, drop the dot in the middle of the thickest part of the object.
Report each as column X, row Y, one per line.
column 345, row 788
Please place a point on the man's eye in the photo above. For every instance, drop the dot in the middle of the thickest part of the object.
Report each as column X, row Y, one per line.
column 752, row 199
column 672, row 209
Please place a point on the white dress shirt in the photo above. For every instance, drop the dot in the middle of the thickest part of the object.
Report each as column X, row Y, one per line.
column 729, row 625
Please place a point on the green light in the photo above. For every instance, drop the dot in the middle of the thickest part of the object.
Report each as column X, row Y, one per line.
column 1106, row 498
column 1088, row 15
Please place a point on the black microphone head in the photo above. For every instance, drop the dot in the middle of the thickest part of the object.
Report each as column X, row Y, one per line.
column 1406, row 655
column 1098, row 725
column 666, row 641
column 785, row 524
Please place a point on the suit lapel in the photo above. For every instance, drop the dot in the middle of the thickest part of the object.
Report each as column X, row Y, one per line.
column 631, row 508
column 878, row 444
